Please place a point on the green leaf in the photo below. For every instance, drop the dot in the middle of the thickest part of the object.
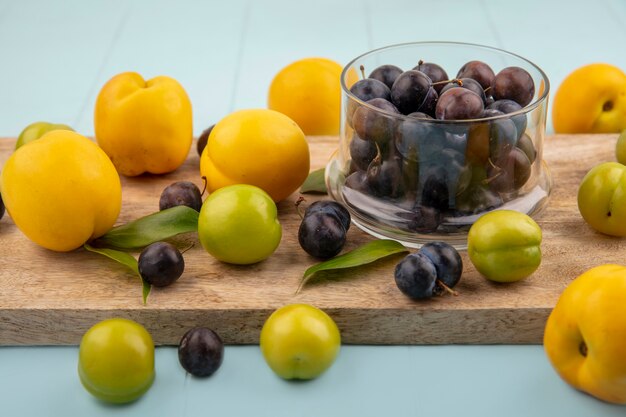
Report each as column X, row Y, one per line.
column 152, row 228
column 145, row 290
column 364, row 254
column 315, row 182
column 126, row 260
column 121, row 257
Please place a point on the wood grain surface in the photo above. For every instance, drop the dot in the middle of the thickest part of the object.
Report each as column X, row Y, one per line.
column 49, row 298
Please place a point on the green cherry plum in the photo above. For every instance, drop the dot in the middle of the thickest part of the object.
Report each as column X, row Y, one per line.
column 238, row 224
column 602, row 198
column 116, row 360
column 36, row 130
column 299, row 341
column 505, row 245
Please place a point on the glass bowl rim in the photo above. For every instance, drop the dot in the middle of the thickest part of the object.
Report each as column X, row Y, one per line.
column 523, row 111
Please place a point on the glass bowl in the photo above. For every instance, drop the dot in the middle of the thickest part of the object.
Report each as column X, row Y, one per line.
column 420, row 180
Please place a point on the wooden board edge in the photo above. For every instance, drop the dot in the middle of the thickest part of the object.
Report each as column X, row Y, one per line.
column 242, row 327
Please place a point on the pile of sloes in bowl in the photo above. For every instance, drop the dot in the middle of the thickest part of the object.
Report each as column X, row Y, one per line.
column 438, row 147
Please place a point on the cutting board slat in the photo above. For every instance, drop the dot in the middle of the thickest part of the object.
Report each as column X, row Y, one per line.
column 53, row 298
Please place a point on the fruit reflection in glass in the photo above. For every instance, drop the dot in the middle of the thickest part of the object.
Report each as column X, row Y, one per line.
column 434, row 135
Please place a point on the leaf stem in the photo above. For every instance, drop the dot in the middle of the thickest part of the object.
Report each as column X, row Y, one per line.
column 205, row 185
column 187, row 248
column 298, row 208
column 447, row 289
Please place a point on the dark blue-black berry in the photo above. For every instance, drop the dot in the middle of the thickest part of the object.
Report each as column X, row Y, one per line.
column 513, row 83
column 433, row 270
column 201, row 352
column 510, row 106
column 509, row 172
column 374, row 125
column 181, row 193
column 525, row 143
column 332, row 208
column 469, row 84
column 447, row 261
column 478, row 71
column 416, row 276
column 362, row 152
column 203, row 139
column 369, row 88
column 386, row 74
column 502, row 137
column 1, row 207
column 385, row 177
column 477, row 199
column 409, row 91
column 322, row 232
column 161, row 264
column 424, row 219
column 435, row 192
column 459, row 104
column 322, row 235
column 357, row 181
column 434, row 72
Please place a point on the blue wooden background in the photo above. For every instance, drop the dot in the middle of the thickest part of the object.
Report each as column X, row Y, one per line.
column 55, row 56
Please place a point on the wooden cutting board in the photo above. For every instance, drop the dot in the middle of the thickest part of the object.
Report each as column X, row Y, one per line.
column 49, row 298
